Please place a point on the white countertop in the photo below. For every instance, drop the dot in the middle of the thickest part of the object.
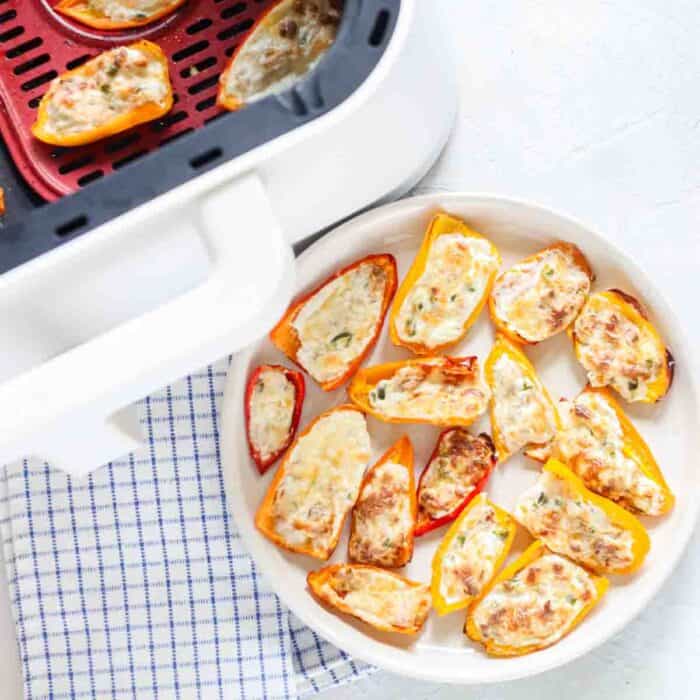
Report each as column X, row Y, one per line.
column 591, row 108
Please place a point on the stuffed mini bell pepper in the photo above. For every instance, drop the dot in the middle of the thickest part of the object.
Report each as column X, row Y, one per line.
column 117, row 14
column 470, row 554
column 437, row 390
column 331, row 329
column 619, row 347
column 317, row 483
column 579, row 524
column 445, row 289
column 112, row 92
column 380, row 598
column 456, row 472
column 599, row 443
column 542, row 294
column 384, row 515
column 522, row 414
column 273, row 401
column 281, row 48
column 533, row 603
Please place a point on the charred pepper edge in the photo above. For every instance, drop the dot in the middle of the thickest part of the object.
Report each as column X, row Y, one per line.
column 503, row 345
column 503, row 518
column 536, row 550
column 139, row 115
column 316, row 579
column 428, row 524
column 285, row 338
column 441, row 224
column 71, row 8
column 401, row 452
column 263, row 519
column 297, row 380
column 366, row 378
column 580, row 261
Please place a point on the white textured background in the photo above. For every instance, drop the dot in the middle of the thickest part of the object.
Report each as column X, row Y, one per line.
column 591, row 107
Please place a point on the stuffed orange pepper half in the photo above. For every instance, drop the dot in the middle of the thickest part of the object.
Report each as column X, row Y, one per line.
column 522, row 413
column 273, row 401
column 445, row 289
column 533, row 603
column 317, row 483
column 384, row 515
column 332, row 328
column 541, row 295
column 437, row 390
column 381, row 598
column 573, row 521
column 282, row 47
column 117, row 14
column 112, row 92
column 599, row 443
column 619, row 347
column 456, row 472
column 470, row 554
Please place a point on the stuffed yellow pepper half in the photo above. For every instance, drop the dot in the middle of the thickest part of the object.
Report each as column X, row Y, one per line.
column 533, row 603
column 542, row 294
column 522, row 413
column 599, row 443
column 619, row 347
column 445, row 289
column 470, row 554
column 575, row 522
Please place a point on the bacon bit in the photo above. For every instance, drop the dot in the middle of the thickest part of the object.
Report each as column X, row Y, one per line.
column 531, row 577
column 586, row 596
column 557, row 317
column 558, row 568
column 546, row 610
column 582, row 412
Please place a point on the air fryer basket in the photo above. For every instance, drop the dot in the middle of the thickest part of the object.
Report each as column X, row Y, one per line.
column 92, row 184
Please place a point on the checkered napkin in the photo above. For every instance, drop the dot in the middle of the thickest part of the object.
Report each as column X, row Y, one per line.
column 134, row 582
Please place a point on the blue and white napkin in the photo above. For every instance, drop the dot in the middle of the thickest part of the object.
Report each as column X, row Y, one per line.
column 134, row 582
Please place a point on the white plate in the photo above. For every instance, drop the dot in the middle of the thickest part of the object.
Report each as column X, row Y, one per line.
column 441, row 652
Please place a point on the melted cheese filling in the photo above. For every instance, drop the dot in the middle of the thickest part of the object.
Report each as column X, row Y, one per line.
column 470, row 560
column 335, row 326
column 615, row 351
column 569, row 525
column 271, row 411
column 460, row 462
column 279, row 55
column 383, row 519
column 378, row 597
column 113, row 84
column 128, row 10
column 430, row 393
column 591, row 441
column 521, row 410
column 457, row 272
column 538, row 606
column 321, row 481
column 540, row 297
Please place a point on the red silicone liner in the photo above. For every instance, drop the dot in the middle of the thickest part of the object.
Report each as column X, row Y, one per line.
column 37, row 44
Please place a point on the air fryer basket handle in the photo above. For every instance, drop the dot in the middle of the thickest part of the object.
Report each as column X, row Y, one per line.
column 75, row 410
